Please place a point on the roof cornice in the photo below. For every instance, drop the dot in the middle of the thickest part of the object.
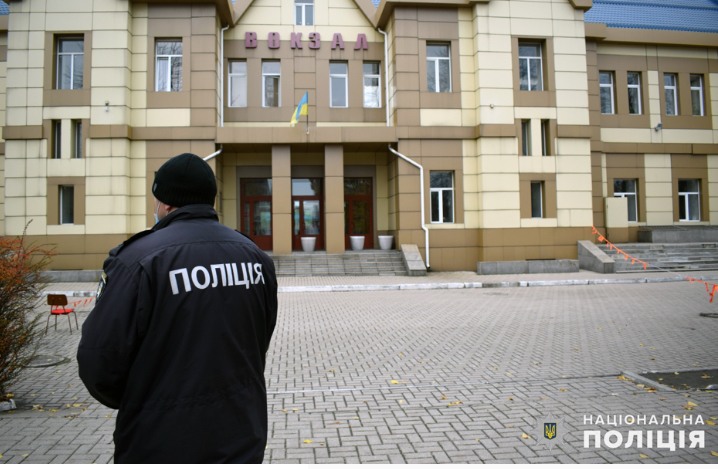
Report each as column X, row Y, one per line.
column 225, row 9
column 603, row 33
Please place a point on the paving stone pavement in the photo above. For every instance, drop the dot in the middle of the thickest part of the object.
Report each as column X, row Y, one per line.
column 432, row 374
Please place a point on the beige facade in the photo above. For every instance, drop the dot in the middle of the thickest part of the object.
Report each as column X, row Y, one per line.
column 95, row 95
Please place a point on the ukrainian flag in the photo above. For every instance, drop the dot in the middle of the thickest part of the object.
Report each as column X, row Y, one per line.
column 302, row 109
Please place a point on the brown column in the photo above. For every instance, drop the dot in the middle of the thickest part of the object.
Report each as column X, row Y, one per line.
column 334, row 198
column 281, row 199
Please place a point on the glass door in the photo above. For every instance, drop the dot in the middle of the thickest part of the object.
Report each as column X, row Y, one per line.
column 358, row 213
column 257, row 211
column 307, row 211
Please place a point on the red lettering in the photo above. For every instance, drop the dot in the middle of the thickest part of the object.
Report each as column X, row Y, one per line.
column 295, row 41
column 273, row 40
column 250, row 40
column 315, row 40
column 361, row 42
column 338, row 41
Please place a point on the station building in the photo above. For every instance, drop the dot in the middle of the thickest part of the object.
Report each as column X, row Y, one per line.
column 478, row 130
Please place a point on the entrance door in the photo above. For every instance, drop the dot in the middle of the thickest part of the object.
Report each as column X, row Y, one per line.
column 358, row 213
column 307, row 210
column 257, row 211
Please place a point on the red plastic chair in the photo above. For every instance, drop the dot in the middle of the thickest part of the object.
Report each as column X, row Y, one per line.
column 58, row 307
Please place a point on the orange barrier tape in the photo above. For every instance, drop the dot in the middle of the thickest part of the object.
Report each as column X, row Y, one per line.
column 84, row 302
column 711, row 288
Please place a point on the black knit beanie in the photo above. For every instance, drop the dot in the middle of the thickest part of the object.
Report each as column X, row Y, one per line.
column 184, row 180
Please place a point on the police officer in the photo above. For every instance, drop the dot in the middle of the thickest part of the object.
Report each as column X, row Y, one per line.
column 179, row 334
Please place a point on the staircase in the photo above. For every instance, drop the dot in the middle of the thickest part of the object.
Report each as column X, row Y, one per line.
column 669, row 256
column 366, row 262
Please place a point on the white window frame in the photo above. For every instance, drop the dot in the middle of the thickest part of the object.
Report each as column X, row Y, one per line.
column 77, row 138
column 56, row 139
column 237, row 83
column 65, row 191
column 540, row 186
column 528, row 63
column 339, row 81
column 434, row 62
column 74, row 58
column 163, row 81
column 634, row 88
column 526, row 148
column 684, row 200
column 440, row 193
column 545, row 137
column 697, row 95
column 607, row 87
column 271, row 75
column 631, row 196
column 672, row 89
column 372, row 92
column 304, row 12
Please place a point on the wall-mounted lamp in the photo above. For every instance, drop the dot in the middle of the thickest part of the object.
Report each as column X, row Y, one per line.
column 107, row 106
column 658, row 127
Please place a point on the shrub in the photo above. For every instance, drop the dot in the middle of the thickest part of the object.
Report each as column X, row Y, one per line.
column 20, row 284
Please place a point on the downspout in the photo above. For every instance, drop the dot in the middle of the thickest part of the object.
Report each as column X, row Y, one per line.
column 421, row 192
column 386, row 75
column 213, row 155
column 221, row 75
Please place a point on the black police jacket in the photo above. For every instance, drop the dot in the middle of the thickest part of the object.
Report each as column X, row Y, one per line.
column 177, row 342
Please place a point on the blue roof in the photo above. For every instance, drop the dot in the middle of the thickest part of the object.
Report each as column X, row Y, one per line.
column 674, row 15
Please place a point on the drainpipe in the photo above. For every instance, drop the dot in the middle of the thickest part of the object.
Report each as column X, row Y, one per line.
column 386, row 75
column 221, row 75
column 213, row 155
column 421, row 192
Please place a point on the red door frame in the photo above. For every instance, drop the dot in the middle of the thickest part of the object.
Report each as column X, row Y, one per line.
column 297, row 238
column 348, row 218
column 248, row 201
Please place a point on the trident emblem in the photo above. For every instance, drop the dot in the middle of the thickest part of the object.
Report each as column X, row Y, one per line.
column 549, row 431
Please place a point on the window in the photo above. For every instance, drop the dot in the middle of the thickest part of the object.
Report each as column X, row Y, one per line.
column 271, row 74
column 626, row 188
column 442, row 196
column 70, row 63
column 697, row 101
column 56, row 139
column 634, row 93
column 438, row 67
column 304, row 12
column 537, row 199
column 670, row 86
column 525, row 137
column 605, row 80
column 168, row 66
column 67, row 203
column 689, row 195
column 545, row 138
column 77, row 139
column 338, row 84
column 530, row 66
column 237, row 83
column 372, row 84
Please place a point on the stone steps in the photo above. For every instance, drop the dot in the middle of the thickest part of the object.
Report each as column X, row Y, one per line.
column 354, row 263
column 673, row 256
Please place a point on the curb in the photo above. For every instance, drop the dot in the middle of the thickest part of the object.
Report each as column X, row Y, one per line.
column 442, row 285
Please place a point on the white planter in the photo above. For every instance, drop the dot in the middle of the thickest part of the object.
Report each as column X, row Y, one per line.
column 385, row 242
column 308, row 243
column 357, row 242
